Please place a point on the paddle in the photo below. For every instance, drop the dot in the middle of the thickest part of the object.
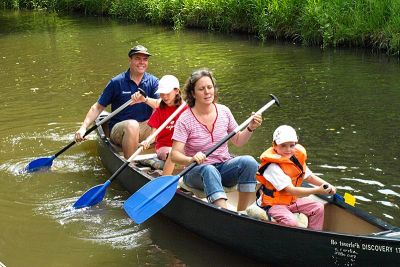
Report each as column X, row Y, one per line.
column 348, row 198
column 46, row 162
column 154, row 195
column 96, row 194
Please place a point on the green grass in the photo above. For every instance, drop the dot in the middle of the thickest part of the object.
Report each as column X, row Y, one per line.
column 373, row 24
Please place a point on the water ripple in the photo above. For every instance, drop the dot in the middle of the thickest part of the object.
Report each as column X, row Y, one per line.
column 361, row 198
column 388, row 192
column 104, row 223
column 371, row 182
column 388, row 204
column 345, row 188
column 326, row 166
column 388, row 216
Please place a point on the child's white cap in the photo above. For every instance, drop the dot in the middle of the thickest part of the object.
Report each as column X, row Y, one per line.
column 166, row 84
column 283, row 134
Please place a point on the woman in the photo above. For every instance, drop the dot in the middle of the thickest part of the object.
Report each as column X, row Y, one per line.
column 199, row 128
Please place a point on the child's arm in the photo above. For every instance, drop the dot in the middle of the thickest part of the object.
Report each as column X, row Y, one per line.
column 306, row 191
column 315, row 180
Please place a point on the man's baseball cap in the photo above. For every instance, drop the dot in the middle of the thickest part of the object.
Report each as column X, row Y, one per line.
column 139, row 49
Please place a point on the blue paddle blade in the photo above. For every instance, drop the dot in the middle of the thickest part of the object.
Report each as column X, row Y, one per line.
column 93, row 196
column 152, row 197
column 40, row 163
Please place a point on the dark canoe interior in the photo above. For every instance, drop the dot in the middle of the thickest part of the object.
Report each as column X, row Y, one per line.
column 339, row 217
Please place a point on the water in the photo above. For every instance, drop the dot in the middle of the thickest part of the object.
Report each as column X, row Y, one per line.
column 343, row 104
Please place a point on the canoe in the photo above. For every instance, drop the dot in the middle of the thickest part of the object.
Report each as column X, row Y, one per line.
column 350, row 237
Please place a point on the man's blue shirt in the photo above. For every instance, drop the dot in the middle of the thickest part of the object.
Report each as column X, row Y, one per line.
column 119, row 90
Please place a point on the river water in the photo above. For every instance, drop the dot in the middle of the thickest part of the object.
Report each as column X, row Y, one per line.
column 343, row 103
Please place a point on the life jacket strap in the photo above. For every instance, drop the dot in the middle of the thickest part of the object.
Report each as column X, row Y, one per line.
column 297, row 163
column 262, row 169
column 266, row 208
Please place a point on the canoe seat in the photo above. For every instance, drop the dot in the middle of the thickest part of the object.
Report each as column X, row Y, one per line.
column 152, row 162
column 200, row 193
column 255, row 211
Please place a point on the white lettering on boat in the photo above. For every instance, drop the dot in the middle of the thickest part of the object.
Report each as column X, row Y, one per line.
column 378, row 248
column 349, row 245
column 347, row 252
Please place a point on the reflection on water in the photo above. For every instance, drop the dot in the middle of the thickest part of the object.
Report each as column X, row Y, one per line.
column 343, row 104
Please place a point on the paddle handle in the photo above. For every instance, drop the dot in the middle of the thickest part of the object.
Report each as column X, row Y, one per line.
column 149, row 139
column 231, row 134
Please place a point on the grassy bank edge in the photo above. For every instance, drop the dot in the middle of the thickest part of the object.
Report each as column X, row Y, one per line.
column 368, row 24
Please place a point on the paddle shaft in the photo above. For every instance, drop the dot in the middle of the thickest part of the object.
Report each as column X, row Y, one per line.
column 231, row 134
column 94, row 127
column 148, row 139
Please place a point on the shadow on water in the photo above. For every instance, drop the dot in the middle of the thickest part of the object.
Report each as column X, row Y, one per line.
column 190, row 249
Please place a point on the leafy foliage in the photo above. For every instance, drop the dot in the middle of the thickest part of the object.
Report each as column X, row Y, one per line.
column 328, row 23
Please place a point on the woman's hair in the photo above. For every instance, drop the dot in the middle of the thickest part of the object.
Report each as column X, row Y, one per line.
column 177, row 100
column 188, row 88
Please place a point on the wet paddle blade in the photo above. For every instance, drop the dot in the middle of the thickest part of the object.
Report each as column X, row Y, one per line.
column 152, row 197
column 93, row 196
column 40, row 163
column 349, row 199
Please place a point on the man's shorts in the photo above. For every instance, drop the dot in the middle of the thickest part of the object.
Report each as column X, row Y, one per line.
column 117, row 132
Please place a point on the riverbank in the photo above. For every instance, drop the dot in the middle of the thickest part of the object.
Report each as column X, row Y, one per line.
column 369, row 24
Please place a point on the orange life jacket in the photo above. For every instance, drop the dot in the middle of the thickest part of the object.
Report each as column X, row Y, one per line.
column 294, row 168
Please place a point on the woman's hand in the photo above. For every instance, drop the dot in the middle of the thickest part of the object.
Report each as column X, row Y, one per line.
column 199, row 157
column 255, row 122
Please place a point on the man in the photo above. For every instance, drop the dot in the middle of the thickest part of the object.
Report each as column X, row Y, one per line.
column 129, row 127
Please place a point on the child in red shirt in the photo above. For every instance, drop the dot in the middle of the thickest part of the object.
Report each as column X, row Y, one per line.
column 171, row 99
